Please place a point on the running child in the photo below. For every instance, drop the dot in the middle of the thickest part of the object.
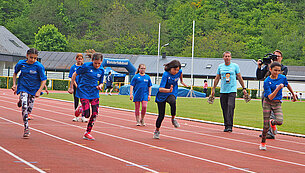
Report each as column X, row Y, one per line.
column 88, row 89
column 32, row 80
column 140, row 92
column 168, row 92
column 109, row 83
column 273, row 85
column 79, row 62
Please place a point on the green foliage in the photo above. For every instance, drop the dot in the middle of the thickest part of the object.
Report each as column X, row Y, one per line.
column 60, row 85
column 48, row 38
column 247, row 28
column 253, row 93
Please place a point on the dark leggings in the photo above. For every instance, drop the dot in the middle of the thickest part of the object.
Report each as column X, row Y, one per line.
column 76, row 99
column 86, row 111
column 227, row 101
column 171, row 100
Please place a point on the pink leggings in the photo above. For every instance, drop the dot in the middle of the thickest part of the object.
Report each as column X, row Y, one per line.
column 137, row 108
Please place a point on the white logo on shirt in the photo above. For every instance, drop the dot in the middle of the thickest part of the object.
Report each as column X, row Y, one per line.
column 138, row 77
column 98, row 75
column 270, row 83
column 91, row 70
column 33, row 71
column 145, row 80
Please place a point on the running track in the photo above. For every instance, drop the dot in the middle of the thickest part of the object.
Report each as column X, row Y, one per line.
column 56, row 144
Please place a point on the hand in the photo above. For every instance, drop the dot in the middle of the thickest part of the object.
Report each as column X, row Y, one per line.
column 245, row 91
column 294, row 98
column 171, row 88
column 47, row 92
column 70, row 90
column 99, row 87
column 259, row 63
column 14, row 88
column 131, row 97
column 37, row 94
column 149, row 97
column 213, row 93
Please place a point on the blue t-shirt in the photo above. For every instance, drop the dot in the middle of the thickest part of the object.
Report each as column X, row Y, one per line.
column 228, row 77
column 88, row 80
column 30, row 77
column 141, row 85
column 271, row 84
column 108, row 80
column 72, row 70
column 167, row 80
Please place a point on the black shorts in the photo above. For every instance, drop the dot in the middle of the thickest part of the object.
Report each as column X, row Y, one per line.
column 109, row 87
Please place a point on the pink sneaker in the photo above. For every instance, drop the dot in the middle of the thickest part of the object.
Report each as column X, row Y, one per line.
column 88, row 136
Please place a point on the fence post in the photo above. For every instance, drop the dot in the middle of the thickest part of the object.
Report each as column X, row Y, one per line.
column 52, row 83
column 7, row 81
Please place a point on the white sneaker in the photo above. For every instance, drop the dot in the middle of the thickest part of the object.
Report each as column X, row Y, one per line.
column 156, row 135
column 84, row 120
column 142, row 123
column 75, row 119
column 175, row 123
column 138, row 123
column 110, row 94
column 263, row 146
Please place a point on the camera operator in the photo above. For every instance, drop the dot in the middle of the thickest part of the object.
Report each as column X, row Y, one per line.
column 264, row 73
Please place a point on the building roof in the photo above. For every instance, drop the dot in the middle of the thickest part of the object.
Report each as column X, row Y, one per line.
column 11, row 48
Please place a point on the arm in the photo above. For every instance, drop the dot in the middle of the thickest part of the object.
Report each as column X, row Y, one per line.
column 293, row 95
column 14, row 87
column 42, row 85
column 46, row 89
column 164, row 90
column 149, row 93
column 216, row 80
column 70, row 90
column 260, row 73
column 241, row 81
column 181, row 80
column 131, row 92
column 274, row 93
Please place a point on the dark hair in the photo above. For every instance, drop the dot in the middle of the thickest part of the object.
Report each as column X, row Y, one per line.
column 32, row 51
column 109, row 73
column 278, row 51
column 97, row 56
column 205, row 81
column 172, row 64
column 274, row 64
column 139, row 68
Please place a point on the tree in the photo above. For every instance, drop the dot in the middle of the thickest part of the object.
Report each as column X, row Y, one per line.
column 48, row 38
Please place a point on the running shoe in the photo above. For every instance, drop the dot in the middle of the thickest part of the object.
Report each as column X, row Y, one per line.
column 156, row 135
column 175, row 123
column 84, row 120
column 138, row 123
column 75, row 119
column 142, row 123
column 88, row 136
column 263, row 146
column 30, row 117
column 273, row 128
column 19, row 103
column 26, row 133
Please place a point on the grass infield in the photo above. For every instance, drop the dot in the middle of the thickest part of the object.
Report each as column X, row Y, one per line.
column 246, row 114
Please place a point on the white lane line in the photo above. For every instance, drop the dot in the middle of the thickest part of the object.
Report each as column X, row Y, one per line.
column 22, row 160
column 120, row 109
column 203, row 134
column 126, row 139
column 79, row 145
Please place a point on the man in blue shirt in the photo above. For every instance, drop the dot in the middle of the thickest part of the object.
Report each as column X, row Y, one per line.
column 227, row 73
column 32, row 80
column 109, row 83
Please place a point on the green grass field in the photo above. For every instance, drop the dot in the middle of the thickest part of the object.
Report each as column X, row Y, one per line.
column 246, row 114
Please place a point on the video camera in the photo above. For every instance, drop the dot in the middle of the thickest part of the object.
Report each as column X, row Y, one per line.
column 268, row 57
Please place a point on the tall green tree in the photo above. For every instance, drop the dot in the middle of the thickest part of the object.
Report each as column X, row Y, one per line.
column 48, row 38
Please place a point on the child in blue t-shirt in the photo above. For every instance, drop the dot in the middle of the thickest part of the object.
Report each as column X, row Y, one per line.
column 168, row 92
column 79, row 62
column 273, row 95
column 90, row 83
column 32, row 80
column 140, row 92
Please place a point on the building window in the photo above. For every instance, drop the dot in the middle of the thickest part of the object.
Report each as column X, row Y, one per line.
column 14, row 42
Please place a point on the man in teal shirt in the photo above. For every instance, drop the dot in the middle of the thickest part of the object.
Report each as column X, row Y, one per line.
column 228, row 72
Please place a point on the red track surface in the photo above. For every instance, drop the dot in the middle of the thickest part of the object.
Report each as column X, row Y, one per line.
column 56, row 144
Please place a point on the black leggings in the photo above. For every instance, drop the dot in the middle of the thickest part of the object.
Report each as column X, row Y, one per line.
column 76, row 99
column 171, row 100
